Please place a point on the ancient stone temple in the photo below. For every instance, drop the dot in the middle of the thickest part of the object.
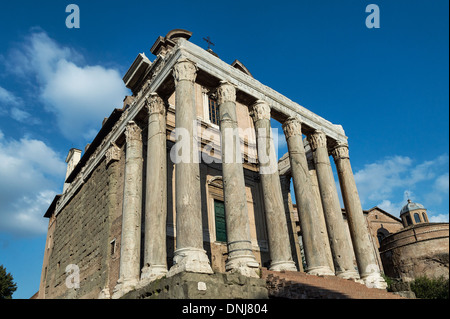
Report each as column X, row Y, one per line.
column 182, row 184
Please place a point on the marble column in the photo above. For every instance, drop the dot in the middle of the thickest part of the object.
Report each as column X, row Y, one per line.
column 131, row 212
column 189, row 253
column 155, row 255
column 279, row 245
column 314, row 241
column 359, row 232
column 339, row 243
column 240, row 255
column 285, row 181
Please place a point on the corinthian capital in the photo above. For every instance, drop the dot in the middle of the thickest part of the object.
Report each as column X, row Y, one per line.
column 340, row 151
column 112, row 154
column 155, row 104
column 260, row 111
column 184, row 70
column 226, row 92
column 292, row 126
column 317, row 139
column 133, row 132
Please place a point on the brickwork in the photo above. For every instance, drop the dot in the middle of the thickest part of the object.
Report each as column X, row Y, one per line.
column 80, row 238
column 418, row 250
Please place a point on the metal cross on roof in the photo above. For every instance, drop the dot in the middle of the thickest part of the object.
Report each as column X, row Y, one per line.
column 208, row 40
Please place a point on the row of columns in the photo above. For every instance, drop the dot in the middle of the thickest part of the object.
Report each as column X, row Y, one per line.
column 189, row 253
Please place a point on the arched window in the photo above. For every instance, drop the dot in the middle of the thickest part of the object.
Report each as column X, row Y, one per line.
column 382, row 233
column 416, row 218
column 424, row 216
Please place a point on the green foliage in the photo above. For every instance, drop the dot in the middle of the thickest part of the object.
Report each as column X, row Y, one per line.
column 388, row 281
column 7, row 286
column 426, row 288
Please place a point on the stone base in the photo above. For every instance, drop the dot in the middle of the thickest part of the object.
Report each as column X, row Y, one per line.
column 187, row 285
column 320, row 271
column 375, row 280
column 349, row 274
column 123, row 288
column 190, row 260
column 151, row 273
column 104, row 294
column 283, row 266
column 244, row 265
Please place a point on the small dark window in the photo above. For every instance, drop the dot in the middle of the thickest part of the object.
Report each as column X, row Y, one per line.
column 113, row 247
column 213, row 111
column 424, row 216
column 221, row 226
column 408, row 220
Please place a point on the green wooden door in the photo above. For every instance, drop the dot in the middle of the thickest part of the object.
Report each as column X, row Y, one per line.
column 221, row 226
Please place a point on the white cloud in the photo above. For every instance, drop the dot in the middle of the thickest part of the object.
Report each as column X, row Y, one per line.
column 8, row 98
column 441, row 218
column 377, row 181
column 441, row 183
column 80, row 96
column 388, row 183
column 30, row 174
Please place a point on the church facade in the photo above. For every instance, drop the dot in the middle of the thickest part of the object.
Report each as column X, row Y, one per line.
column 184, row 179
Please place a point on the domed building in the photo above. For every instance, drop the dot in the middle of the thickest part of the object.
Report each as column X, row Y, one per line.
column 413, row 214
column 419, row 249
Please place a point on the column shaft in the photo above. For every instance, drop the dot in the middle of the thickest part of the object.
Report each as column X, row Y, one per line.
column 339, row 242
column 314, row 243
column 155, row 254
column 365, row 258
column 131, row 213
column 240, row 255
column 280, row 250
column 189, row 254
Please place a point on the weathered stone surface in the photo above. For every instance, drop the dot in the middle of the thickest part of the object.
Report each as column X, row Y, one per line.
column 314, row 242
column 365, row 256
column 155, row 255
column 78, row 239
column 240, row 257
column 189, row 253
column 132, row 209
column 420, row 250
column 340, row 246
column 202, row 286
column 280, row 250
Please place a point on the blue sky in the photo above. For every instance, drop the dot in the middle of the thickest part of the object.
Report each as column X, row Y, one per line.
column 387, row 87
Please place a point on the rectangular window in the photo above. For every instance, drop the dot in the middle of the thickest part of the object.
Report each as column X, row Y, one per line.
column 221, row 227
column 213, row 111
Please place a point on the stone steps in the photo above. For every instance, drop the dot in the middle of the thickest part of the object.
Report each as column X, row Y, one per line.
column 297, row 285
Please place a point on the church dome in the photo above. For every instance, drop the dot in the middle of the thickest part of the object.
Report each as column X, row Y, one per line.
column 411, row 206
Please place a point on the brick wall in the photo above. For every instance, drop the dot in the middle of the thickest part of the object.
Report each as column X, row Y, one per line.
column 80, row 238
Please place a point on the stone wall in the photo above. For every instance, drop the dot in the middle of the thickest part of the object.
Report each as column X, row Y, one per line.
column 420, row 250
column 80, row 239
